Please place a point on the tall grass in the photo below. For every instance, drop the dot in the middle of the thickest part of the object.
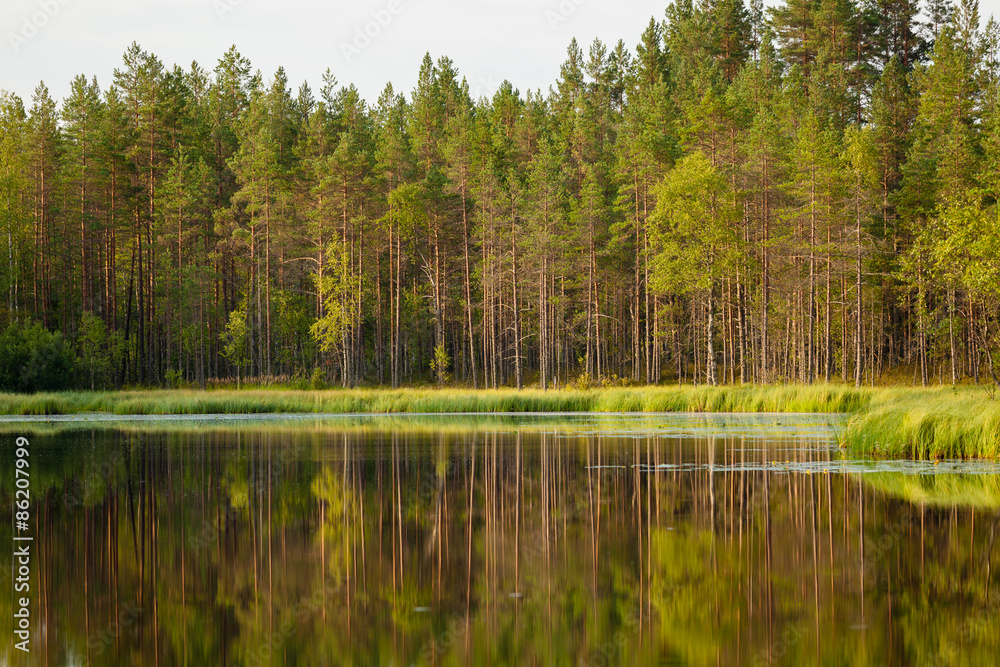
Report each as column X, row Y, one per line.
column 885, row 422
column 927, row 424
column 257, row 401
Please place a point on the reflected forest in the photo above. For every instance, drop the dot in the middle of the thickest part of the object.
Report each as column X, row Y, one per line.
column 805, row 192
column 499, row 544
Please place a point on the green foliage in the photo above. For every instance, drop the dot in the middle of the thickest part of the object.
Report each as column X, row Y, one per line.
column 292, row 318
column 861, row 157
column 928, row 425
column 235, row 338
column 440, row 364
column 693, row 227
column 338, row 287
column 318, row 379
column 33, row 359
column 100, row 351
column 173, row 378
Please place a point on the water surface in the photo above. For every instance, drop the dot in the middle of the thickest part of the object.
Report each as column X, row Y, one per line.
column 500, row 540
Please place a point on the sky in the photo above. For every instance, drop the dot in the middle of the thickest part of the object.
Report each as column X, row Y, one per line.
column 367, row 42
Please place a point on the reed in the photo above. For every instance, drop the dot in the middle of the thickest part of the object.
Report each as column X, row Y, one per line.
column 257, row 401
column 927, row 424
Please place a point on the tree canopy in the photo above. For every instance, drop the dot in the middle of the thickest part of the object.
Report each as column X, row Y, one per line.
column 800, row 193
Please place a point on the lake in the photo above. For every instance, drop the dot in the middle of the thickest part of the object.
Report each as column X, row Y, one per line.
column 494, row 540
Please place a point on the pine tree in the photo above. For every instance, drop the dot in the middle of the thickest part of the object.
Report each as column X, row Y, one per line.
column 43, row 147
column 459, row 168
column 730, row 33
column 794, row 26
column 861, row 158
column 394, row 165
column 646, row 147
column 82, row 117
column 184, row 224
column 140, row 84
column 13, row 216
column 183, row 206
column 896, row 33
column 261, row 166
column 346, row 185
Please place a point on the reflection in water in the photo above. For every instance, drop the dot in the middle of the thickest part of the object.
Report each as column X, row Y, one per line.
column 556, row 542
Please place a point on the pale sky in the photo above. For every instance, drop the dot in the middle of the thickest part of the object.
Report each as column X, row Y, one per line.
column 367, row 43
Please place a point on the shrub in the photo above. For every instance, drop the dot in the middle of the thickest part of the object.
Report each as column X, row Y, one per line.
column 35, row 359
column 318, row 379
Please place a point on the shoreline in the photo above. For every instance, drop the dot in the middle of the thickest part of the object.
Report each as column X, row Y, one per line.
column 884, row 422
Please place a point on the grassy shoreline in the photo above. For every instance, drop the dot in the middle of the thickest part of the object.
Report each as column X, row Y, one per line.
column 885, row 421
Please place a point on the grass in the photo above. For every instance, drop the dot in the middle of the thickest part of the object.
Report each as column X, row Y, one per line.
column 927, row 424
column 258, row 401
column 885, row 422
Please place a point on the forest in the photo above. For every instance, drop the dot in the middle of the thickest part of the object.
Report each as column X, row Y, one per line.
column 807, row 193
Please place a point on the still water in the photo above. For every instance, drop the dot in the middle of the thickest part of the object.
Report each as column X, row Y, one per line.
column 516, row 540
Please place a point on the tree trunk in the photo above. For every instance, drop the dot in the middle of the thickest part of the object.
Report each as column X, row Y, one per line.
column 811, row 345
column 857, row 286
column 515, row 305
column 709, row 340
column 951, row 333
column 468, row 289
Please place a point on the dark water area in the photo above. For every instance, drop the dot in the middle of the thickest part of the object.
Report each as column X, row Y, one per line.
column 525, row 540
